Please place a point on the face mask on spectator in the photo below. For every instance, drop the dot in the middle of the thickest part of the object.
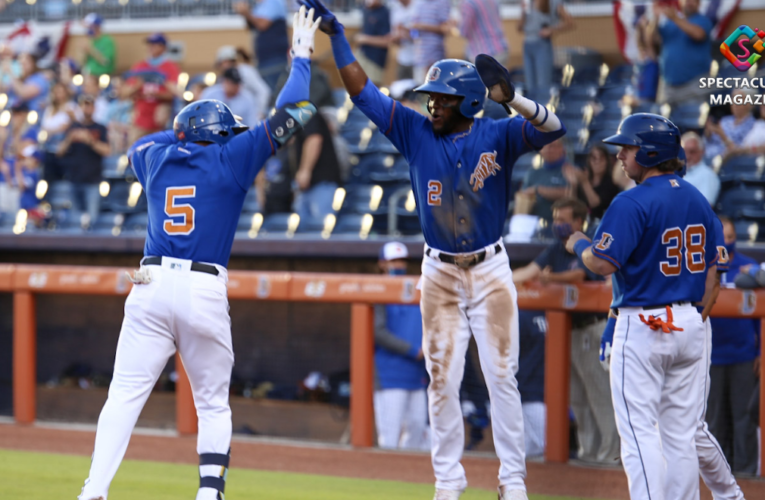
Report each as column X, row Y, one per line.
column 730, row 247
column 562, row 230
column 397, row 272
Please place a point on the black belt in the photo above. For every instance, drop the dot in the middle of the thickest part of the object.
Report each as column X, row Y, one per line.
column 658, row 306
column 464, row 261
column 195, row 266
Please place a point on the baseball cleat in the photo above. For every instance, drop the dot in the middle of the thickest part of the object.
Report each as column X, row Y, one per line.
column 447, row 494
column 512, row 495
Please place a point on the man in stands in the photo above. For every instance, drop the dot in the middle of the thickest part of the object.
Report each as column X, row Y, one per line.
column 231, row 91
column 267, row 20
column 100, row 54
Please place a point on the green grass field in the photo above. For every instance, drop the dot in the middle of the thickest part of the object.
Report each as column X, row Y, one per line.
column 43, row 476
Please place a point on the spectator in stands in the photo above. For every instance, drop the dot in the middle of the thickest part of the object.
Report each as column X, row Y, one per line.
column 231, row 92
column 267, row 20
column 699, row 174
column 402, row 15
column 27, row 177
column 401, row 411
column 151, row 85
column 540, row 21
column 595, row 184
column 727, row 135
column 56, row 120
column 647, row 66
column 9, row 191
column 229, row 57
column 318, row 171
column 19, row 132
column 30, row 86
column 590, row 386
column 735, row 365
column 119, row 117
column 429, row 27
column 532, row 328
column 320, row 89
column 91, row 86
column 481, row 25
column 374, row 39
column 546, row 185
column 82, row 153
column 684, row 36
column 754, row 142
column 100, row 55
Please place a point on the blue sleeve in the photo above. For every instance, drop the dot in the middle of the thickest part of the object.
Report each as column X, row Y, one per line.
column 137, row 152
column 619, row 232
column 270, row 9
column 400, row 124
column 523, row 137
column 246, row 153
column 704, row 22
column 296, row 88
column 543, row 260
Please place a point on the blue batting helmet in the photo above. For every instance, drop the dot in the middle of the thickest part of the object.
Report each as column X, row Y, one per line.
column 657, row 137
column 455, row 77
column 207, row 121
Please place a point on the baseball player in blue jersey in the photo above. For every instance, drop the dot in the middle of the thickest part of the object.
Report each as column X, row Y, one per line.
column 460, row 171
column 195, row 180
column 659, row 242
column 713, row 467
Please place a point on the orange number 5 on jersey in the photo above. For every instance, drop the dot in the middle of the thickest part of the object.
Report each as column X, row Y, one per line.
column 434, row 193
column 184, row 211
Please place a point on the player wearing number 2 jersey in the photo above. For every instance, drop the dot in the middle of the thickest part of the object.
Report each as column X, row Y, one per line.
column 659, row 242
column 195, row 179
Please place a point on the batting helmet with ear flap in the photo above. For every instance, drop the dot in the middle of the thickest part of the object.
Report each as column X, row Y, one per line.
column 460, row 78
column 657, row 137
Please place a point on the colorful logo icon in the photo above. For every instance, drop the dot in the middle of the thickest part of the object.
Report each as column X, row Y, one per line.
column 746, row 59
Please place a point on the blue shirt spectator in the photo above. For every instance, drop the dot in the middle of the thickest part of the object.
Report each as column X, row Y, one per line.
column 376, row 23
column 684, row 58
column 32, row 86
column 268, row 21
column 428, row 34
column 231, row 92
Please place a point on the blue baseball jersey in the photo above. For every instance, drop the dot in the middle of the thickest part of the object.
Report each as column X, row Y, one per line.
column 461, row 182
column 195, row 193
column 662, row 237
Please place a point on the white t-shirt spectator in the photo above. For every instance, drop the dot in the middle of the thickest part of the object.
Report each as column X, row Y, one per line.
column 401, row 15
column 703, row 178
column 756, row 136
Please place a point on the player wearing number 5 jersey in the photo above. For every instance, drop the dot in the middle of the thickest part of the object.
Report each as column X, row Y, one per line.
column 659, row 242
column 195, row 179
column 461, row 177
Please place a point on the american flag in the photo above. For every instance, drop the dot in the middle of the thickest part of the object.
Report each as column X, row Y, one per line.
column 627, row 14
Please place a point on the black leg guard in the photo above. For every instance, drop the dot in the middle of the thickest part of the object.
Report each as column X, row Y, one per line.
column 215, row 482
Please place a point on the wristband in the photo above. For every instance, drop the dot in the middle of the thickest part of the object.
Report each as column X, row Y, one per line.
column 580, row 246
column 341, row 49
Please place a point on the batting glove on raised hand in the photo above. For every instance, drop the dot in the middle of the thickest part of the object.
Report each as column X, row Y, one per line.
column 303, row 31
column 329, row 23
column 605, row 343
column 496, row 78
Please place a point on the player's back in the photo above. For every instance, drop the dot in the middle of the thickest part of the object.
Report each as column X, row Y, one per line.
column 194, row 202
column 675, row 229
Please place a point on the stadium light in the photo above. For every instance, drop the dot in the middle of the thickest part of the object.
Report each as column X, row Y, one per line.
column 704, row 113
column 536, row 163
column 366, row 226
column 77, row 80
column 135, row 193
column 665, row 110
column 103, row 81
column 183, row 80
column 5, row 118
column 329, row 225
column 3, row 100
column 103, row 189
column 188, row 96
column 31, row 2
column 342, row 116
column 337, row 200
column 604, row 70
column 32, row 117
column 292, row 224
column 717, row 163
column 410, row 204
column 389, row 161
column 122, row 164
column 42, row 136
column 752, row 71
column 41, row 189
column 714, row 68
column 366, row 134
column 375, row 197
column 123, row 2
column 385, row 91
column 76, row 2
column 210, row 79
column 753, row 230
column 257, row 222
column 21, row 222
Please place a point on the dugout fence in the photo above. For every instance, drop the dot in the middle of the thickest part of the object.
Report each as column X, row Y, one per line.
column 361, row 292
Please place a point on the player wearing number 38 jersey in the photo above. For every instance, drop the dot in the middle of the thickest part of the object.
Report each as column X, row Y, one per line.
column 195, row 178
column 659, row 241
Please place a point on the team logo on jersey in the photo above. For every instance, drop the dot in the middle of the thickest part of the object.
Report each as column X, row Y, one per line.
column 605, row 242
column 433, row 74
column 722, row 255
column 674, row 183
column 487, row 166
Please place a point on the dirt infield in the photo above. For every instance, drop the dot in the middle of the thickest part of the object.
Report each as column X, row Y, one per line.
column 550, row 479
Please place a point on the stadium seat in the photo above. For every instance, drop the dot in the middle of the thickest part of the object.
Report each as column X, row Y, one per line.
column 107, row 222
column 137, row 223
column 747, row 230
column 349, row 224
column 279, row 224
column 621, row 74
column 339, row 96
column 69, row 220
column 743, row 166
column 358, row 199
column 60, row 195
column 733, row 201
column 311, row 225
column 119, row 198
column 612, row 93
column 245, row 222
column 251, row 201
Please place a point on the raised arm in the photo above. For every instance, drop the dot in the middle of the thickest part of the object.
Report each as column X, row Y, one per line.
column 303, row 31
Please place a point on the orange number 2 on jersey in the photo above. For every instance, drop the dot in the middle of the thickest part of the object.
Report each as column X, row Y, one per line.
column 694, row 239
column 434, row 193
column 184, row 211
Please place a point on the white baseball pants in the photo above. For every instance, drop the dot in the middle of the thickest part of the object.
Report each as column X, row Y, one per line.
column 714, row 468
column 180, row 309
column 401, row 417
column 655, row 385
column 456, row 303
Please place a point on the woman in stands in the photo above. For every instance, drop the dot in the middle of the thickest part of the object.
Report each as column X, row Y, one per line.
column 594, row 185
column 56, row 119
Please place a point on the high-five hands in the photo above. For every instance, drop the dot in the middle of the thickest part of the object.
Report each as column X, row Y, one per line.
column 303, row 32
column 329, row 23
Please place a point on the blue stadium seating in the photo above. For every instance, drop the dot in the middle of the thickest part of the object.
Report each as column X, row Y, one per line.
column 277, row 224
column 106, row 222
column 743, row 166
column 621, row 74
column 251, row 201
column 348, row 224
column 136, row 223
column 732, row 201
column 310, row 225
column 60, row 195
column 245, row 221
